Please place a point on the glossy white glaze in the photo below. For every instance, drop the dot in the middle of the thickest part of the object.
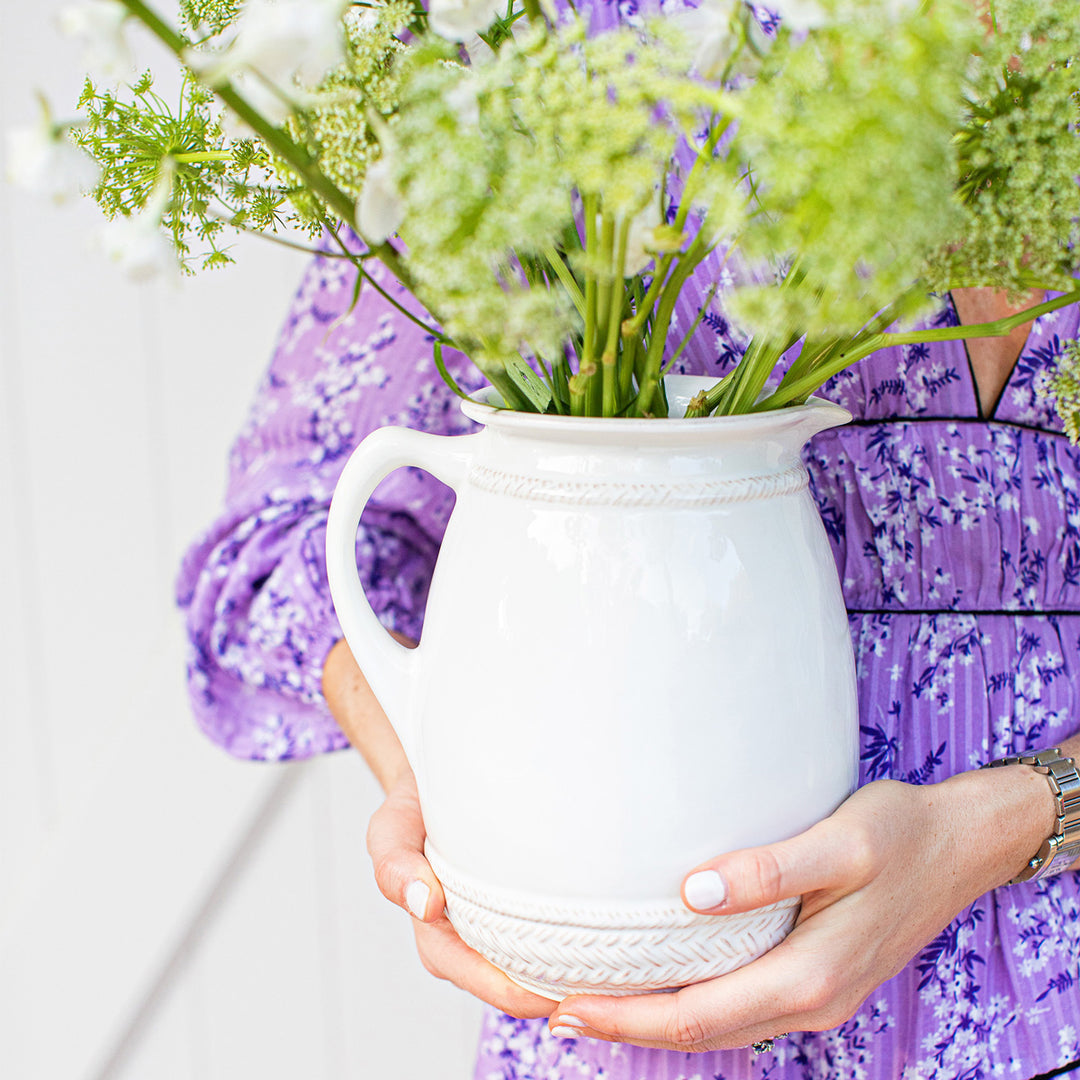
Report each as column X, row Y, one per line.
column 635, row 654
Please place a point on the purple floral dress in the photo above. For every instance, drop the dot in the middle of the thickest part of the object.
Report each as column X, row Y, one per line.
column 957, row 540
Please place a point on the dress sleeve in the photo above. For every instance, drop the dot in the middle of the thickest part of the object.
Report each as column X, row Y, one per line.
column 253, row 590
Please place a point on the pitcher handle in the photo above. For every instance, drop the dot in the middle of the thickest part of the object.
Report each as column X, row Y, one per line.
column 388, row 666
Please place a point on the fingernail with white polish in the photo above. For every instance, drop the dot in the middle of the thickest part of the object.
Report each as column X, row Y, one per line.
column 416, row 898
column 567, row 1027
column 571, row 1021
column 704, row 890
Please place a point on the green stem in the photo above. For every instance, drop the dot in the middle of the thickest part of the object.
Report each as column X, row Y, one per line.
column 495, row 372
column 690, row 333
column 815, row 355
column 996, row 328
column 590, row 278
column 206, row 155
column 270, row 238
column 362, row 270
column 440, row 365
column 905, row 304
column 658, row 335
column 560, row 377
column 580, row 389
column 631, row 346
column 644, row 309
column 606, row 284
column 761, row 358
column 701, row 405
column 587, row 368
column 615, row 309
column 663, row 264
column 604, row 304
column 812, row 354
column 569, row 282
column 802, row 388
column 693, row 179
column 721, row 397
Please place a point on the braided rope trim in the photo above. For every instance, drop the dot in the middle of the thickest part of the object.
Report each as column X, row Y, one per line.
column 555, row 949
column 617, row 493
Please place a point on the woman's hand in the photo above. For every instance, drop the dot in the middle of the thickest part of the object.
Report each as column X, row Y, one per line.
column 880, row 878
column 396, row 844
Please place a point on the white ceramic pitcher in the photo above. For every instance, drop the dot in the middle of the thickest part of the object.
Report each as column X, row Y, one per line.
column 635, row 657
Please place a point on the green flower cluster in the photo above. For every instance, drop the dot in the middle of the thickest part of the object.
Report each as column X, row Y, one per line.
column 209, row 16
column 1064, row 387
column 141, row 141
column 1018, row 155
column 335, row 122
column 849, row 137
column 498, row 163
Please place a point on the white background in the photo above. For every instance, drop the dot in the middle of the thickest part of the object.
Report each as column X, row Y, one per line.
column 166, row 913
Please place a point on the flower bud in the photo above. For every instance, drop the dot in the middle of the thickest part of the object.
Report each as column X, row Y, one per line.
column 459, row 20
column 380, row 209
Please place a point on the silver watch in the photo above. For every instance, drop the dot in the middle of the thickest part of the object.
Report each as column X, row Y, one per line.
column 1062, row 848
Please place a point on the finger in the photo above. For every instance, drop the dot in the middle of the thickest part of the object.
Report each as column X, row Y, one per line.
column 395, row 842
column 739, row 1040
column 781, row 988
column 569, row 1026
column 446, row 956
column 829, row 855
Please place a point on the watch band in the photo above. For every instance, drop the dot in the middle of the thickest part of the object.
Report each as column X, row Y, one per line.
column 1062, row 848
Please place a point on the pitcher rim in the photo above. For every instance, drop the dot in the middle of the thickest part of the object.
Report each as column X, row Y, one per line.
column 684, row 387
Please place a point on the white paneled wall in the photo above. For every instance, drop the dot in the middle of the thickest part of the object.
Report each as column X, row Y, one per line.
column 165, row 913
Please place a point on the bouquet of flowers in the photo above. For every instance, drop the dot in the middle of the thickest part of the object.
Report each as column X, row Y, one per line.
column 546, row 186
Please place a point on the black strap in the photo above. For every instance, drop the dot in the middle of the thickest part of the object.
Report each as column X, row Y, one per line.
column 1063, row 1071
column 865, row 421
column 1049, row 613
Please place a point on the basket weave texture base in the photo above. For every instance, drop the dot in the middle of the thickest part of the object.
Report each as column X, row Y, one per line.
column 556, row 948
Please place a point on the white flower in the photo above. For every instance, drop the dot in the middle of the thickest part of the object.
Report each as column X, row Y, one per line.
column 44, row 160
column 804, row 15
column 639, row 239
column 463, row 98
column 380, row 209
column 710, row 27
column 279, row 39
column 800, row 15
column 896, row 9
column 477, row 50
column 138, row 246
column 459, row 20
column 136, row 243
column 647, row 236
column 99, row 26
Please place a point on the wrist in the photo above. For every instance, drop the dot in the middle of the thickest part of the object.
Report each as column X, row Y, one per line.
column 1062, row 845
column 359, row 715
column 1001, row 817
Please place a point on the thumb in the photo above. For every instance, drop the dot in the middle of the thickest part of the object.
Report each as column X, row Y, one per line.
column 821, row 857
column 395, row 841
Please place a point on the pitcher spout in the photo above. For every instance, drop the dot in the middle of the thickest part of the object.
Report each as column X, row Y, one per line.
column 819, row 415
